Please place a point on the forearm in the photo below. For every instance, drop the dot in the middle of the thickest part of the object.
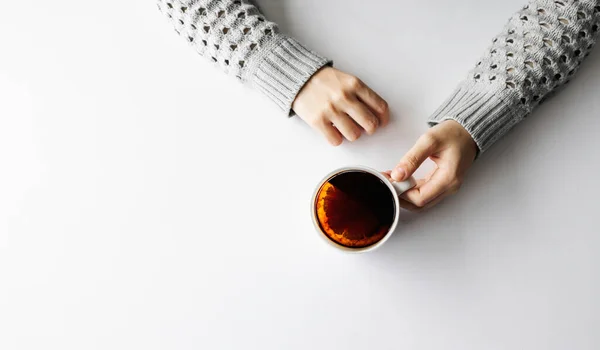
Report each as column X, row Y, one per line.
column 540, row 49
column 242, row 43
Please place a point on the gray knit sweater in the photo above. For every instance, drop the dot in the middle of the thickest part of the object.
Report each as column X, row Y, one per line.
column 237, row 38
column 540, row 49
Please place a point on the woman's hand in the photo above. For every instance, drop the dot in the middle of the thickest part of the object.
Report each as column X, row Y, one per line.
column 452, row 149
column 340, row 106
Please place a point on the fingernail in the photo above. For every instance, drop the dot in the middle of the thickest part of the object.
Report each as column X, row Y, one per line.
column 398, row 174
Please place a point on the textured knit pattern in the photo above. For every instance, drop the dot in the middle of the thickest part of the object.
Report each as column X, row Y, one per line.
column 540, row 49
column 238, row 39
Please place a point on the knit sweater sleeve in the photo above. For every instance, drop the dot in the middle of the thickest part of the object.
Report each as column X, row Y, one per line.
column 237, row 38
column 540, row 49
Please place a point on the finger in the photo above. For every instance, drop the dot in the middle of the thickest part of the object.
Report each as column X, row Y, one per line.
column 362, row 115
column 420, row 183
column 404, row 204
column 346, row 126
column 332, row 134
column 375, row 103
column 439, row 183
column 412, row 207
column 411, row 161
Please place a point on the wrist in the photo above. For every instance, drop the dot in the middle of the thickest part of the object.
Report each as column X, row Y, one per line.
column 486, row 111
column 305, row 89
column 284, row 70
column 465, row 139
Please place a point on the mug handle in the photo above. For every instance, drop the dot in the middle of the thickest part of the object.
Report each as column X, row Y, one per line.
column 405, row 185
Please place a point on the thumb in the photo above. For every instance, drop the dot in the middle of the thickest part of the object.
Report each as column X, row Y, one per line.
column 411, row 161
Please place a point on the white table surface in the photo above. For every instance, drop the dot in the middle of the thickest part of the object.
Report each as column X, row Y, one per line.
column 149, row 202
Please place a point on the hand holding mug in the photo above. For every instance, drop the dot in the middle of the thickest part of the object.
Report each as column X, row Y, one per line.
column 453, row 151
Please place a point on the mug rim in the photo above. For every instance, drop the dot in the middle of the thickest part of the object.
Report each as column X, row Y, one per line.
column 342, row 170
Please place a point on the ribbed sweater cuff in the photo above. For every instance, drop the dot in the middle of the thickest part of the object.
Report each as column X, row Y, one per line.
column 484, row 113
column 284, row 69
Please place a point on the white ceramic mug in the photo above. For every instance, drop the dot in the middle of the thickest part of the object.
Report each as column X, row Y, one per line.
column 396, row 188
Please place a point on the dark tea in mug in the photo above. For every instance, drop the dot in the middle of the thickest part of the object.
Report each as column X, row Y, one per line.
column 355, row 209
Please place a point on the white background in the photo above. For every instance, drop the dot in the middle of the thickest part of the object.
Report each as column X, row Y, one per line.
column 147, row 201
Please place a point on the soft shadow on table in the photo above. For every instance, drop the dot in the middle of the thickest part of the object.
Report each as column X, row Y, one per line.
column 423, row 238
